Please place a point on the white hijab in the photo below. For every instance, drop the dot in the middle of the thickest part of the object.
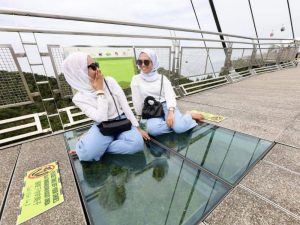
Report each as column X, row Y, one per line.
column 152, row 75
column 76, row 73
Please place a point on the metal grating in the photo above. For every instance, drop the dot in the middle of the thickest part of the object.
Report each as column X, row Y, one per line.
column 57, row 57
column 14, row 90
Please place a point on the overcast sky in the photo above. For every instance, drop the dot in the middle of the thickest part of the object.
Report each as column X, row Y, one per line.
column 269, row 14
column 234, row 16
column 167, row 12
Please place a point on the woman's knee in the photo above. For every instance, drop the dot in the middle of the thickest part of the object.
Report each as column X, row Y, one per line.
column 157, row 126
column 183, row 123
column 136, row 139
column 178, row 128
column 181, row 127
column 151, row 127
column 152, row 131
column 92, row 145
column 138, row 144
column 128, row 142
column 88, row 152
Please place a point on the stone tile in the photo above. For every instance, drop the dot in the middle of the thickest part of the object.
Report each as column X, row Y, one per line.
column 254, row 129
column 272, row 111
column 291, row 135
column 241, row 207
column 276, row 184
column 297, row 117
column 34, row 154
column 285, row 156
column 244, row 122
column 8, row 158
column 265, row 115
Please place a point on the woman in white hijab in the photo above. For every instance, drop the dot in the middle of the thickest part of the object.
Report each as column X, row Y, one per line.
column 94, row 99
column 148, row 83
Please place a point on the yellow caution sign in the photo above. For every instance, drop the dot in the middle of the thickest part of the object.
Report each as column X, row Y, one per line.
column 42, row 190
column 210, row 117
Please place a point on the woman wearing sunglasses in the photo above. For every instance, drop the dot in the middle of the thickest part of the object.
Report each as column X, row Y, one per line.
column 94, row 99
column 148, row 83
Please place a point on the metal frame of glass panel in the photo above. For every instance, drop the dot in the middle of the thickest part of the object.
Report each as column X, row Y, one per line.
column 199, row 167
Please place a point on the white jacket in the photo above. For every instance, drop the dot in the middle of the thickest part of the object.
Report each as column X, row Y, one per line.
column 102, row 109
column 141, row 88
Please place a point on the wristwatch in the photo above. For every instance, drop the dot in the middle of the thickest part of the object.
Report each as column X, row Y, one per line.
column 171, row 109
column 100, row 92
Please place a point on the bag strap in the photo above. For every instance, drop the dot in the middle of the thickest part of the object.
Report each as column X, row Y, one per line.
column 161, row 84
column 112, row 98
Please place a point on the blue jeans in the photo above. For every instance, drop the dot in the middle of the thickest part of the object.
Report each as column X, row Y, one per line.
column 93, row 144
column 182, row 123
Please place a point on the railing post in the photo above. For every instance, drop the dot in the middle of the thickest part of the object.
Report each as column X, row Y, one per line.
column 176, row 66
column 228, row 63
column 253, row 56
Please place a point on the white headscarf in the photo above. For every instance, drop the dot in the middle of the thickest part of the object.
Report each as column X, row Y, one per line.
column 153, row 75
column 76, row 73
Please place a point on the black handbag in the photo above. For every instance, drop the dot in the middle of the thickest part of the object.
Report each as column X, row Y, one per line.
column 153, row 108
column 114, row 127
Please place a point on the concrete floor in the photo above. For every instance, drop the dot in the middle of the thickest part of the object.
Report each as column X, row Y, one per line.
column 265, row 106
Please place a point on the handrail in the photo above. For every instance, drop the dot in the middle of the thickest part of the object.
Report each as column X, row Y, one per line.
column 233, row 53
column 37, row 124
column 20, row 12
column 72, row 32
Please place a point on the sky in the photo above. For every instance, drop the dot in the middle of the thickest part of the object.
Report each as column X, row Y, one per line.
column 234, row 16
column 171, row 12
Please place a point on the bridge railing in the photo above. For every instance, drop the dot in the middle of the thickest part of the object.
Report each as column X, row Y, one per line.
column 32, row 81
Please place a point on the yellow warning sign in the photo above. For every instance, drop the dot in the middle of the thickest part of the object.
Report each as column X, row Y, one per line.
column 42, row 190
column 210, row 117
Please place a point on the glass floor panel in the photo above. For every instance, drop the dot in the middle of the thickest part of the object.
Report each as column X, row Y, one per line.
column 150, row 187
column 226, row 153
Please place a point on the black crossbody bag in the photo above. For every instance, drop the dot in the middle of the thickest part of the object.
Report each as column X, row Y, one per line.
column 153, row 108
column 114, row 127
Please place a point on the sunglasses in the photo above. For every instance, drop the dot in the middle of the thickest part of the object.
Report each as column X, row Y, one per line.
column 146, row 62
column 94, row 66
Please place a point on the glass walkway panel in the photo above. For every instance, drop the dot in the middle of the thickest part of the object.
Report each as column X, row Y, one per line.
column 177, row 179
column 226, row 153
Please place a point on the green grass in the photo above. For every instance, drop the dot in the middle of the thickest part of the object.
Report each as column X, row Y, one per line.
column 120, row 68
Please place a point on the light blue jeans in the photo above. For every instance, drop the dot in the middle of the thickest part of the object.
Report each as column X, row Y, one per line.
column 94, row 144
column 182, row 123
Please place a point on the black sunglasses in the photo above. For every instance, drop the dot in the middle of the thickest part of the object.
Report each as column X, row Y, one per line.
column 94, row 66
column 146, row 62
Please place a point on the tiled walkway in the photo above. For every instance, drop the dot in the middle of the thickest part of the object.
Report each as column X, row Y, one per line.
column 265, row 106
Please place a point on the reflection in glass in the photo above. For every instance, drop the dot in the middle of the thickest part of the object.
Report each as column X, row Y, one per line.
column 226, row 153
column 149, row 187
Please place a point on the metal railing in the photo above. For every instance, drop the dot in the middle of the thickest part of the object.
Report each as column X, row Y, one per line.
column 36, row 124
column 191, row 62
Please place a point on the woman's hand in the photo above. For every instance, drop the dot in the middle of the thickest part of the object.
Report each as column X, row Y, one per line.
column 144, row 134
column 97, row 83
column 170, row 119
